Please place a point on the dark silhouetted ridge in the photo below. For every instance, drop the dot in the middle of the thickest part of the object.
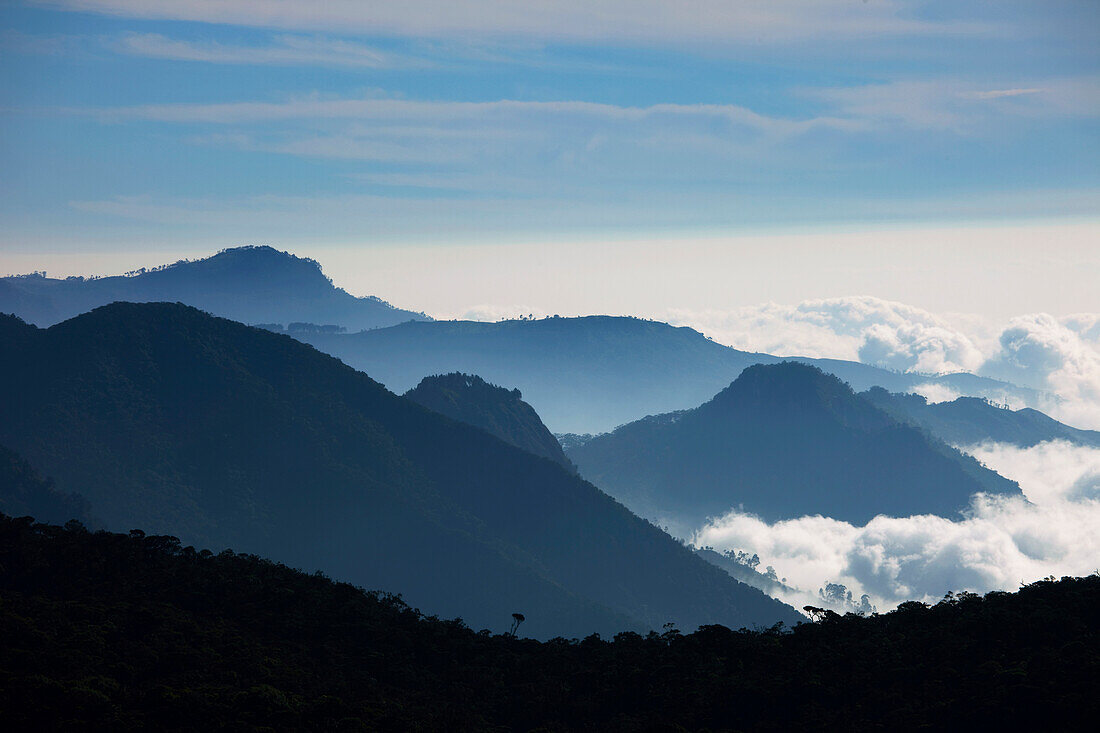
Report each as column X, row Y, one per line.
column 496, row 410
column 138, row 632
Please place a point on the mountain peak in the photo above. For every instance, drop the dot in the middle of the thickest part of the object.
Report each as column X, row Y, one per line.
column 500, row 412
column 252, row 284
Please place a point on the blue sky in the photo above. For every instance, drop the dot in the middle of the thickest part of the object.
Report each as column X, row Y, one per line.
column 184, row 121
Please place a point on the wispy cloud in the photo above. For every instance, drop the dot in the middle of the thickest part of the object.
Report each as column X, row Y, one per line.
column 629, row 21
column 998, row 93
column 958, row 105
column 378, row 108
column 284, row 50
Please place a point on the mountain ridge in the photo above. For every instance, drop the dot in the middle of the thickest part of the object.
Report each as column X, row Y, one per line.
column 781, row 441
column 590, row 374
column 251, row 284
column 230, row 436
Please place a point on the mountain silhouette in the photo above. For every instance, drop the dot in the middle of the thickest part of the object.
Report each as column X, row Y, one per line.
column 971, row 420
column 590, row 374
column 782, row 441
column 247, row 284
column 179, row 422
column 498, row 411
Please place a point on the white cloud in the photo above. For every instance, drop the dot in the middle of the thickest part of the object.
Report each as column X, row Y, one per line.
column 936, row 392
column 1060, row 358
column 1000, row 543
column 859, row 328
column 1048, row 472
column 1041, row 351
column 284, row 50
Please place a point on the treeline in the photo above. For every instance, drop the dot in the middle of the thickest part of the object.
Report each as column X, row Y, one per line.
column 113, row 632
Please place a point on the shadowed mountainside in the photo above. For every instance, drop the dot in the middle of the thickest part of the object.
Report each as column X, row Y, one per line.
column 135, row 632
column 496, row 410
column 25, row 493
column 588, row 375
column 247, row 284
column 167, row 418
column 782, row 441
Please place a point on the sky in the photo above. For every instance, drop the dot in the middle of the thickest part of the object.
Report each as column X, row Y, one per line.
column 386, row 134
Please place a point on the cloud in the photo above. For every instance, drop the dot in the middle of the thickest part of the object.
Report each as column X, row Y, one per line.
column 1058, row 357
column 1041, row 351
column 285, row 50
column 859, row 328
column 998, row 544
column 634, row 21
column 958, row 105
column 998, row 93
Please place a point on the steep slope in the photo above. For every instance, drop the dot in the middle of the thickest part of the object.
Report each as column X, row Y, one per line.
column 248, row 284
column 782, row 441
column 229, row 436
column 498, row 411
column 23, row 493
column 588, row 375
column 970, row 420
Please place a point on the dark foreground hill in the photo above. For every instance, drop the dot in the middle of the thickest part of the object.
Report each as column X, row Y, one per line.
column 247, row 284
column 167, row 418
column 971, row 420
column 498, row 411
column 588, row 375
column 115, row 632
column 782, row 441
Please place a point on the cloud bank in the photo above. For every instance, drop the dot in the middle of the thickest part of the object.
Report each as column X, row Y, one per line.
column 998, row 544
column 1060, row 357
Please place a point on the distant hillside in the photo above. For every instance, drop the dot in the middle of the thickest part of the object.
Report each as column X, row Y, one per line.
column 136, row 632
column 588, row 375
column 247, row 284
column 498, row 411
column 782, row 441
column 23, row 493
column 970, row 420
column 166, row 418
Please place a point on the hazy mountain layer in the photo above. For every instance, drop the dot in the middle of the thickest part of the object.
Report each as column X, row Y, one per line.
column 173, row 420
column 588, row 375
column 247, row 284
column 498, row 411
column 782, row 441
column 970, row 420
column 23, row 492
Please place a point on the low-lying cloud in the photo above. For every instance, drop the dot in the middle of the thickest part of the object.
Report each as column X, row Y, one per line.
column 998, row 544
column 1058, row 356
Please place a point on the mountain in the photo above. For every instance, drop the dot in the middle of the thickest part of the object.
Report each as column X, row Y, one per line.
column 25, row 493
column 971, row 420
column 173, row 420
column 782, row 441
column 588, row 375
column 137, row 632
column 498, row 411
column 248, row 284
